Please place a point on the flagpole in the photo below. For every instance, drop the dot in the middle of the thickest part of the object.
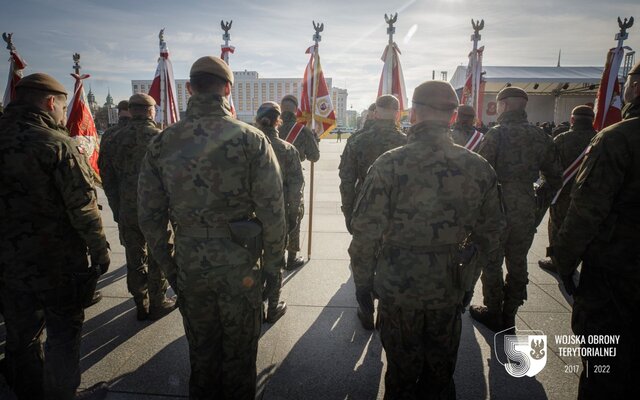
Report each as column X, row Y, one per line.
column 226, row 26
column 163, row 82
column 475, row 38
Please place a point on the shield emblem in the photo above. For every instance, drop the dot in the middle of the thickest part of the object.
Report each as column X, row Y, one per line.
column 526, row 354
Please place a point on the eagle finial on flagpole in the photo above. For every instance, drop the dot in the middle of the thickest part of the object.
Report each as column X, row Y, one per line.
column 8, row 38
column 226, row 27
column 161, row 36
column 391, row 19
column 477, row 27
column 628, row 23
column 76, row 63
column 319, row 27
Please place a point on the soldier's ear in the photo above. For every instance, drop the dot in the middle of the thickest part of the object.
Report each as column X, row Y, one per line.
column 50, row 102
column 188, row 85
column 227, row 89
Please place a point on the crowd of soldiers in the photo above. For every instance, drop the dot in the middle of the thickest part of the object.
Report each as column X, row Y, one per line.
column 210, row 205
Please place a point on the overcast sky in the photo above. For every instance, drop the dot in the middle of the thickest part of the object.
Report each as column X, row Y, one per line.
column 118, row 39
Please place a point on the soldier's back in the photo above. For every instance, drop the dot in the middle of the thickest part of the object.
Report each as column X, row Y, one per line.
column 382, row 136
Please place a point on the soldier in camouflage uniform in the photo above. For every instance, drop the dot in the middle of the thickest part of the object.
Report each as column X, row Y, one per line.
column 268, row 119
column 417, row 205
column 212, row 177
column 145, row 280
column 520, row 153
column 50, row 221
column 368, row 120
column 463, row 129
column 383, row 135
column 124, row 116
column 570, row 146
column 602, row 228
column 307, row 145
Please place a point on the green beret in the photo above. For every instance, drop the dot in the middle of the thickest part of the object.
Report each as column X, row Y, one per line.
column 141, row 99
column 512, row 91
column 636, row 69
column 123, row 105
column 266, row 107
column 583, row 111
column 388, row 102
column 213, row 66
column 436, row 94
column 43, row 82
column 290, row 98
column 466, row 111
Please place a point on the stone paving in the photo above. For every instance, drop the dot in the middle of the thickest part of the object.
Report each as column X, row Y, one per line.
column 317, row 350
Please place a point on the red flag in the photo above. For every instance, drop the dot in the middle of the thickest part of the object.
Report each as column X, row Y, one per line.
column 608, row 101
column 163, row 88
column 316, row 108
column 392, row 78
column 16, row 66
column 81, row 126
column 472, row 92
column 226, row 50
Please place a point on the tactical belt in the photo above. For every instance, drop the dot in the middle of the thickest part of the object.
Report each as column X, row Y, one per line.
column 204, row 232
column 443, row 248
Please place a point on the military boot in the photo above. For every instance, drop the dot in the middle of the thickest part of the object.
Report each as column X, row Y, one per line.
column 509, row 319
column 366, row 308
column 293, row 261
column 159, row 310
column 142, row 308
column 489, row 318
column 98, row 391
column 276, row 311
column 366, row 319
column 547, row 265
column 97, row 296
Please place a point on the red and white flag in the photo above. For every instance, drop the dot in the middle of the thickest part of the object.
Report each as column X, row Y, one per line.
column 226, row 50
column 82, row 127
column 163, row 88
column 472, row 92
column 608, row 101
column 474, row 140
column 316, row 109
column 392, row 79
column 16, row 66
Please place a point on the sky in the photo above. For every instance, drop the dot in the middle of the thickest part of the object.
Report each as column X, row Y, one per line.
column 118, row 40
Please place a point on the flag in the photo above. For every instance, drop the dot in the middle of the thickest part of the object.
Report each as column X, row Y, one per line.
column 608, row 101
column 316, row 109
column 16, row 66
column 392, row 79
column 472, row 92
column 163, row 88
column 226, row 50
column 81, row 126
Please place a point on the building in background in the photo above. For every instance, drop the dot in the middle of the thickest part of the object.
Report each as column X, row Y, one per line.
column 249, row 92
column 352, row 119
column 339, row 100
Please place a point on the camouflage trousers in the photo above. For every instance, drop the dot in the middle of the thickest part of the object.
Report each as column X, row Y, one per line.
column 145, row 280
column 35, row 371
column 557, row 213
column 293, row 240
column 507, row 294
column 222, row 324
column 606, row 304
column 422, row 348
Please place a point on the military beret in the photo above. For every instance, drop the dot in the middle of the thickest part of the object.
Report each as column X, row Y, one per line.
column 636, row 69
column 583, row 111
column 43, row 82
column 266, row 107
column 512, row 91
column 290, row 98
column 388, row 102
column 466, row 111
column 141, row 99
column 123, row 105
column 213, row 66
column 436, row 94
column 372, row 107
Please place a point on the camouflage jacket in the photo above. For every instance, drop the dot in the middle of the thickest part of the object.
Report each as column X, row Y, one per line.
column 461, row 134
column 570, row 145
column 361, row 152
column 48, row 204
column 130, row 144
column 292, row 178
column 604, row 214
column 417, row 204
column 367, row 124
column 520, row 153
column 107, row 167
column 306, row 142
column 205, row 171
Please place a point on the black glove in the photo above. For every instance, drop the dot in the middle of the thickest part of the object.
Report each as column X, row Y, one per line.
column 569, row 285
column 101, row 262
column 466, row 300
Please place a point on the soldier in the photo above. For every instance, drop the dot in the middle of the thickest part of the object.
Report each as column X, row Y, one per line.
column 602, row 228
column 520, row 153
column 145, row 280
column 571, row 147
column 268, row 120
column 307, row 145
column 419, row 203
column 124, row 116
column 383, row 135
column 368, row 120
column 463, row 131
column 217, row 180
column 50, row 221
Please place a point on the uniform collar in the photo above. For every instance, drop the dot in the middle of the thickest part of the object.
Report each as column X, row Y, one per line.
column 33, row 115
column 430, row 131
column 632, row 109
column 270, row 131
column 514, row 116
column 208, row 104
